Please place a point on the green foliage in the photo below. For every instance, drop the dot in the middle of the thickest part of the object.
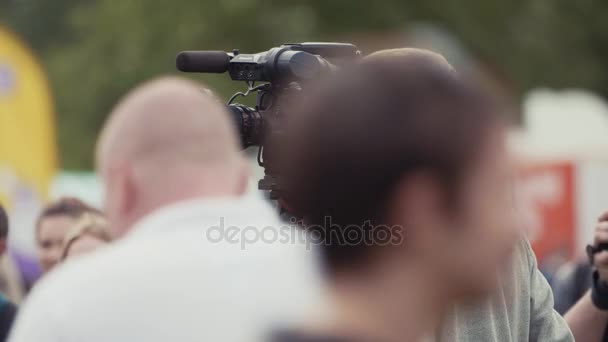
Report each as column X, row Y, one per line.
column 95, row 50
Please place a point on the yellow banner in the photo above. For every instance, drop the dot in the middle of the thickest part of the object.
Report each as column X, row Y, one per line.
column 28, row 151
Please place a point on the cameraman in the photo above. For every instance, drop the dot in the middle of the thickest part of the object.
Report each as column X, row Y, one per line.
column 401, row 171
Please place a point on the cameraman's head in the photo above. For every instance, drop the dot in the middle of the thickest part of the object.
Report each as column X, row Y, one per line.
column 400, row 146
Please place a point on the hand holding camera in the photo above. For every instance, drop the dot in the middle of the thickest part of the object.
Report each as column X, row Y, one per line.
column 598, row 257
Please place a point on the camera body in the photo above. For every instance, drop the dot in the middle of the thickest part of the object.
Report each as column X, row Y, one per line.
column 285, row 71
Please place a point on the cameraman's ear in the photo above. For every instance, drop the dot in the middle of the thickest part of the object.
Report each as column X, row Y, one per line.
column 126, row 191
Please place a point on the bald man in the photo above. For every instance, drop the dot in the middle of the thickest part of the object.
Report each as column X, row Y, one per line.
column 196, row 259
column 167, row 141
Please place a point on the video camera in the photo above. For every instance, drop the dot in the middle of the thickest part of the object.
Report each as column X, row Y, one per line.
column 285, row 69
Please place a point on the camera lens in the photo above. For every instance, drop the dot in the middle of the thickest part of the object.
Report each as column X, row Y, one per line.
column 250, row 124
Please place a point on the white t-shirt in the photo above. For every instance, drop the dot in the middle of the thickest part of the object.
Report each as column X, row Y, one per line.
column 200, row 270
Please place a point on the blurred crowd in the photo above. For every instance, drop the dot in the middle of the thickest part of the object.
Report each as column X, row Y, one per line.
column 398, row 175
column 65, row 228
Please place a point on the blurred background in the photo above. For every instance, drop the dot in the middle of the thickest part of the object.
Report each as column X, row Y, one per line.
column 65, row 63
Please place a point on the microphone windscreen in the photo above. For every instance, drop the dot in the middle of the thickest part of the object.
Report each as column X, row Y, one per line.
column 203, row 61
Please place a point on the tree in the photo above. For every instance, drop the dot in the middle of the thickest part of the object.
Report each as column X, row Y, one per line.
column 95, row 50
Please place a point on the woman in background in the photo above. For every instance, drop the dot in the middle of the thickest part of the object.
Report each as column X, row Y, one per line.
column 52, row 226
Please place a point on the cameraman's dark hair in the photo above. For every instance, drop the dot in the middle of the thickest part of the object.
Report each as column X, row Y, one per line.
column 366, row 129
column 3, row 223
column 66, row 206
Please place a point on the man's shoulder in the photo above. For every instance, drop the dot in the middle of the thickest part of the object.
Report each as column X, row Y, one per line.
column 80, row 276
column 80, row 271
column 142, row 257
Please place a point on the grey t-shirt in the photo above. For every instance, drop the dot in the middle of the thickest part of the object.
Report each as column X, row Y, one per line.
column 522, row 310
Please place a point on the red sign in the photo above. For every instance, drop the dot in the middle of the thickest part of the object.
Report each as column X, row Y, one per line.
column 547, row 195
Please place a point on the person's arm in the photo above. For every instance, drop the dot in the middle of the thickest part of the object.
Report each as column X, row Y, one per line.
column 545, row 323
column 586, row 321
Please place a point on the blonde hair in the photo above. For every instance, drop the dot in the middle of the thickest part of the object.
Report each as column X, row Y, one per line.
column 88, row 223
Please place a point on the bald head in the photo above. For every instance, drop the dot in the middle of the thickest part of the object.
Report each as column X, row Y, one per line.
column 168, row 118
column 413, row 56
column 167, row 140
